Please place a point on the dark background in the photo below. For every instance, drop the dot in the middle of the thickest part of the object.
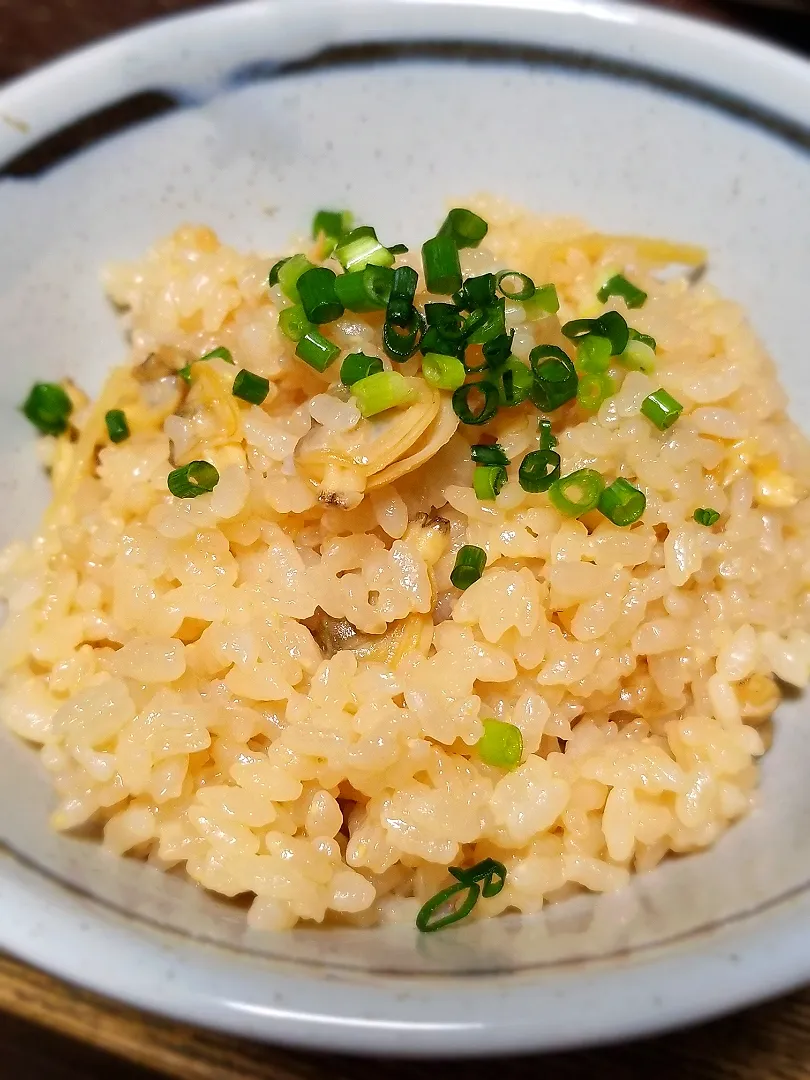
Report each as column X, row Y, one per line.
column 771, row 1041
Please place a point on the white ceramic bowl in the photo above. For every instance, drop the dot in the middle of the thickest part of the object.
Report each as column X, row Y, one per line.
column 639, row 121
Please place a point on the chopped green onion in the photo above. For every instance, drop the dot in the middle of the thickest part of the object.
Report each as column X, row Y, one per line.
column 429, row 918
column 288, row 274
column 476, row 292
column 539, row 470
column 272, row 277
column 434, row 340
column 489, row 454
column 498, row 350
column 618, row 285
column 489, row 405
column 365, row 290
column 398, row 249
column 516, row 383
column 555, row 377
column 293, row 322
column 638, row 356
column 622, row 503
column 661, row 408
column 464, row 228
column 358, row 366
column 441, row 265
column 250, row 387
column 117, row 426
column 484, row 324
column 484, row 871
column 547, row 438
column 185, row 372
column 594, row 389
column 501, row 744
column 48, row 408
column 524, row 290
column 610, row 325
column 361, row 248
column 401, row 342
column 469, row 566
column 403, row 290
column 220, row 353
column 593, row 354
column 707, row 517
column 196, row 478
column 445, row 319
column 544, row 302
column 636, row 335
column 382, row 390
column 320, row 302
column 331, row 225
column 577, row 493
column 443, row 372
column 488, row 481
column 316, row 350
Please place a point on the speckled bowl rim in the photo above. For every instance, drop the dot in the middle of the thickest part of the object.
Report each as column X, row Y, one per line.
column 719, row 968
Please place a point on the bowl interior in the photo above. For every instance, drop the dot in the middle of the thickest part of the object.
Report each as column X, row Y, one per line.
column 394, row 134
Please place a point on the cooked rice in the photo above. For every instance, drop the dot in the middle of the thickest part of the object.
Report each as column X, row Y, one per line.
column 188, row 667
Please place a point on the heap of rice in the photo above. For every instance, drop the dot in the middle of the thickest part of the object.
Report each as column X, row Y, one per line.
column 180, row 665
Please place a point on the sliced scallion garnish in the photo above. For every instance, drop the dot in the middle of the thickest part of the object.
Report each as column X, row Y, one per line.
column 594, row 353
column 547, row 438
column 464, row 228
column 490, row 873
column 316, row 350
column 555, row 377
column 486, row 393
column 485, row 324
column 220, row 353
column 443, row 372
column 293, row 322
column 332, row 225
column 488, row 481
column 117, row 426
column 196, row 478
column 544, row 302
column 48, row 407
column 289, row 271
column 610, row 325
column 429, row 917
column 489, row 454
column 636, row 335
column 441, row 265
column 400, row 300
column 618, row 285
column 358, row 366
column 316, row 288
column 365, row 290
column 382, row 390
column 577, row 493
column 515, row 286
column 498, row 350
column 594, row 389
column 622, row 503
column 661, row 408
column 361, row 248
column 401, row 342
column 501, row 745
column 469, row 566
column 250, row 387
column 476, row 292
column 539, row 470
column 706, row 516
column 516, row 382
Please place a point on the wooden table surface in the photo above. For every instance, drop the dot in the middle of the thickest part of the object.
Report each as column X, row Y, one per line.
column 49, row 1031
